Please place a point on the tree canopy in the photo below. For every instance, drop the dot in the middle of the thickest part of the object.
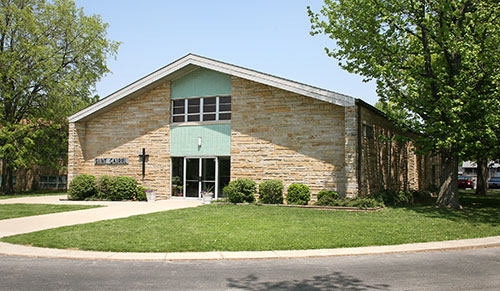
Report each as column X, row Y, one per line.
column 51, row 56
column 435, row 59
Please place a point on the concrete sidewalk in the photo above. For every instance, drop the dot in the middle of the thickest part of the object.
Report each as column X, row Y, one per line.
column 114, row 210
column 111, row 210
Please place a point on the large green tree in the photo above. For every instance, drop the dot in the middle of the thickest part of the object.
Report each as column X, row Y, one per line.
column 51, row 56
column 437, row 59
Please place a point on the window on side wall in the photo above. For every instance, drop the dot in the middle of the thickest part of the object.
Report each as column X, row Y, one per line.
column 202, row 109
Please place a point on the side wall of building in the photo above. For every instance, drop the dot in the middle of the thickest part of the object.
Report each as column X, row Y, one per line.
column 388, row 159
column 122, row 132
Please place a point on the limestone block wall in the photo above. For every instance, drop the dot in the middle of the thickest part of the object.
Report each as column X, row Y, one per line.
column 387, row 160
column 122, row 132
column 351, row 152
column 281, row 135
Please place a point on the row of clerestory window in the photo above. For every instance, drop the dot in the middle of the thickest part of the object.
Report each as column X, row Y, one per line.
column 201, row 109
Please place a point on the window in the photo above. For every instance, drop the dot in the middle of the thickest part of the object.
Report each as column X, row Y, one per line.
column 368, row 131
column 201, row 109
column 179, row 110
column 53, row 182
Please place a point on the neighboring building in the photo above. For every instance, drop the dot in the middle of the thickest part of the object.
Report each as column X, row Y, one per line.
column 39, row 178
column 203, row 122
column 469, row 168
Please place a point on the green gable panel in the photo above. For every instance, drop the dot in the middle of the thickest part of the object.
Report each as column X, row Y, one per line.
column 202, row 82
column 215, row 140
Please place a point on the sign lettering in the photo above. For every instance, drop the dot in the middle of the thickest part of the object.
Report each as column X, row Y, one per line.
column 111, row 161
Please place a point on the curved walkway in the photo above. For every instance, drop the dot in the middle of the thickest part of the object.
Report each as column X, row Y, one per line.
column 114, row 210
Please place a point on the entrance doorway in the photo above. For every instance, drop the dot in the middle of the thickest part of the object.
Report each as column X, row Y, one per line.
column 192, row 176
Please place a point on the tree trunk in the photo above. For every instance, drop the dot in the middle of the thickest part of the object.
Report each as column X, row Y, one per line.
column 448, row 192
column 9, row 185
column 482, row 176
column 4, row 178
column 7, row 178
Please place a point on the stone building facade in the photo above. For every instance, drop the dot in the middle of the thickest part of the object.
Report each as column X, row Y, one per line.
column 203, row 122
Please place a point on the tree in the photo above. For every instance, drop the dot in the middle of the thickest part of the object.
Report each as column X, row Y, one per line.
column 51, row 56
column 437, row 59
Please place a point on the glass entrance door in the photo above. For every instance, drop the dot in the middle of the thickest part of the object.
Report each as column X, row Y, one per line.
column 192, row 177
column 208, row 174
column 200, row 176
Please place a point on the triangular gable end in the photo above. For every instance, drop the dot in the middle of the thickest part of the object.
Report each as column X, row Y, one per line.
column 192, row 63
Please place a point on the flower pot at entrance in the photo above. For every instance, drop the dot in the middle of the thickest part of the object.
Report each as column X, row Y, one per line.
column 151, row 196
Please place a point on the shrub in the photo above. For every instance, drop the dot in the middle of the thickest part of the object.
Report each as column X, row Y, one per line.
column 331, row 194
column 122, row 188
column 356, row 202
column 82, row 187
column 403, row 197
column 240, row 190
column 298, row 194
column 423, row 196
column 141, row 194
column 271, row 192
column 103, row 186
column 326, row 200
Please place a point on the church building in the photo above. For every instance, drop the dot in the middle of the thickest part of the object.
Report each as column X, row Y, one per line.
column 198, row 123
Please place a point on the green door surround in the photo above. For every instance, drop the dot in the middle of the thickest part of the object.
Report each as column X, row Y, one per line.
column 215, row 140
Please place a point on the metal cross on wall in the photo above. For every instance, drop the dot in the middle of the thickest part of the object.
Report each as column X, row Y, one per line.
column 143, row 159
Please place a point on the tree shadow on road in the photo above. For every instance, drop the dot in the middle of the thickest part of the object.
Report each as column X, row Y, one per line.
column 331, row 281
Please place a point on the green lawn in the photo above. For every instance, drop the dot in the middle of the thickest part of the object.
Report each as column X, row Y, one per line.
column 19, row 210
column 32, row 194
column 238, row 228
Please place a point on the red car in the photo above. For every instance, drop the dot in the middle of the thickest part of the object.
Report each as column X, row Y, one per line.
column 465, row 182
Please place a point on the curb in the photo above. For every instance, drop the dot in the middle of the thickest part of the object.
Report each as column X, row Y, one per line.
column 28, row 251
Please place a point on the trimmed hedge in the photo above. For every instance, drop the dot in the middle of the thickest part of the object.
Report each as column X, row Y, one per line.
column 85, row 187
column 103, row 186
column 298, row 194
column 82, row 187
column 240, row 190
column 356, row 202
column 141, row 194
column 122, row 188
column 393, row 198
column 271, row 192
column 331, row 194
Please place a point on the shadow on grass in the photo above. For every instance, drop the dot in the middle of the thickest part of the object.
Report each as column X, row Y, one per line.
column 476, row 209
column 331, row 281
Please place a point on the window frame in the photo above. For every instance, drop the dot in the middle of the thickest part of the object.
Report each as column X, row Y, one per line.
column 201, row 112
column 58, row 182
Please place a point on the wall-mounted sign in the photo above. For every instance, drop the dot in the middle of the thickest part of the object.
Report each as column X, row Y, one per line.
column 111, row 161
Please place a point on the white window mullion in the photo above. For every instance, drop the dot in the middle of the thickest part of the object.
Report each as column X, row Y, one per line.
column 200, row 183
column 185, row 110
column 201, row 109
column 217, row 109
column 216, row 192
column 184, row 178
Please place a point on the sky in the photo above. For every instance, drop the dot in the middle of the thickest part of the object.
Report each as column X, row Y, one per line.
column 268, row 36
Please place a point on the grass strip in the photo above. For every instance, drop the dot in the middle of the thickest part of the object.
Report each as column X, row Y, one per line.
column 32, row 194
column 20, row 210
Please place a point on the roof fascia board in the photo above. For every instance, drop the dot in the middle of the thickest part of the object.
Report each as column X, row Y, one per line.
column 149, row 79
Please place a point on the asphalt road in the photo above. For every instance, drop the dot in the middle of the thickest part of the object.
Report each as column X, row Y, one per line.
column 450, row 270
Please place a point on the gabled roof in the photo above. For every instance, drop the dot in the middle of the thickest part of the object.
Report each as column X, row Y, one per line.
column 190, row 63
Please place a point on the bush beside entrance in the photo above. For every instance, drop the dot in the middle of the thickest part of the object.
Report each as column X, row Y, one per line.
column 85, row 187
